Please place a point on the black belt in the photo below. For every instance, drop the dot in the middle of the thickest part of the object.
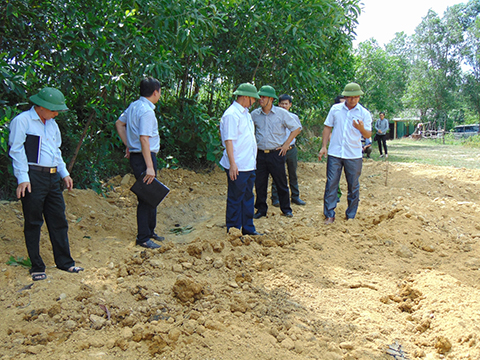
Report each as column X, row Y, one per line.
column 50, row 170
column 268, row 151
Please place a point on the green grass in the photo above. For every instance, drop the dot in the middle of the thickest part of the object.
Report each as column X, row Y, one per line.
column 456, row 153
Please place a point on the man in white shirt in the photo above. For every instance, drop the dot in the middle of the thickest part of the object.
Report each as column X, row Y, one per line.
column 35, row 141
column 239, row 159
column 349, row 121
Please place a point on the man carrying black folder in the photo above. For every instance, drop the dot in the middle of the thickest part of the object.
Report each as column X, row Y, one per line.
column 38, row 166
column 138, row 129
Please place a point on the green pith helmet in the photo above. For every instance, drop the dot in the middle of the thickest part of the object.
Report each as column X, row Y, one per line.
column 267, row 90
column 50, row 98
column 247, row 89
column 352, row 89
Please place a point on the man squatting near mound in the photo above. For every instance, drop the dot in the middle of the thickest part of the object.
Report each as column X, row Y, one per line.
column 34, row 142
column 349, row 121
column 138, row 129
column 271, row 125
column 285, row 101
column 239, row 159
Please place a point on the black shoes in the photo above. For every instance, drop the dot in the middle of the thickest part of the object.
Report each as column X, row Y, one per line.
column 276, row 203
column 255, row 233
column 298, row 201
column 149, row 245
column 157, row 237
column 287, row 214
column 258, row 215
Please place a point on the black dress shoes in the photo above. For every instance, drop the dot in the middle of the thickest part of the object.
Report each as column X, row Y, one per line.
column 298, row 201
column 287, row 214
column 157, row 237
column 258, row 215
column 255, row 233
column 149, row 245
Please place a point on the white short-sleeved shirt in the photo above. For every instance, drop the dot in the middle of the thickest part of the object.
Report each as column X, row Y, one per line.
column 237, row 125
column 141, row 121
column 346, row 141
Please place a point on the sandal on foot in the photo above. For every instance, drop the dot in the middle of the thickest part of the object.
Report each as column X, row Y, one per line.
column 74, row 269
column 39, row 276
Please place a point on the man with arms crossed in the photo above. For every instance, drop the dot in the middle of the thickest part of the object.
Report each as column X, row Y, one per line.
column 349, row 121
column 138, row 129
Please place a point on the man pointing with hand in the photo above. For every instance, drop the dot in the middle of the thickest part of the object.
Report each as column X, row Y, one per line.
column 346, row 123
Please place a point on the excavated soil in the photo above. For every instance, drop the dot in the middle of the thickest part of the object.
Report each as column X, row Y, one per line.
column 405, row 273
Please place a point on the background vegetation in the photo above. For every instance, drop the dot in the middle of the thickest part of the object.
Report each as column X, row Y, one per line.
column 96, row 52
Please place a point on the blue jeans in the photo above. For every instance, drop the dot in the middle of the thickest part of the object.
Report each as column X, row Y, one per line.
column 240, row 202
column 352, row 169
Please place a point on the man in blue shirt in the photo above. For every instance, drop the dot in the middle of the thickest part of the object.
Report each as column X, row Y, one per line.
column 38, row 166
column 349, row 121
column 138, row 129
column 382, row 126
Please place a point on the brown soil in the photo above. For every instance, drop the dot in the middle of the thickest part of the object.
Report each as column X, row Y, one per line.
column 405, row 272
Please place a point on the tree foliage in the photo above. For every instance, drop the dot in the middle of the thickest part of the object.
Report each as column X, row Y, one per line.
column 96, row 52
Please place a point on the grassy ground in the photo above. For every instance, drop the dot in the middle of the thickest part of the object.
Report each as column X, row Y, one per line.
column 424, row 151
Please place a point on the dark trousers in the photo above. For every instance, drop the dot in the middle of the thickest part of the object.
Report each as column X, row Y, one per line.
column 271, row 164
column 353, row 170
column 146, row 214
column 240, row 202
column 292, row 163
column 382, row 139
column 46, row 202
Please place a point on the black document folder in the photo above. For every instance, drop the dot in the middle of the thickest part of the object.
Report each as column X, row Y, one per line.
column 152, row 194
column 32, row 148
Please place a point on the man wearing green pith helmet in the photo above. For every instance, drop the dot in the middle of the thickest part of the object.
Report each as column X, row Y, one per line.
column 39, row 168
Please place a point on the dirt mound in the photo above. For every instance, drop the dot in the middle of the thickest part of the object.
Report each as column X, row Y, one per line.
column 405, row 271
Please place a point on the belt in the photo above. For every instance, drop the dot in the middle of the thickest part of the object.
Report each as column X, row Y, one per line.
column 50, row 170
column 268, row 151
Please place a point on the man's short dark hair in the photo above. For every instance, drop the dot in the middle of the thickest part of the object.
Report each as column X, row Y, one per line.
column 338, row 98
column 382, row 113
column 148, row 86
column 284, row 97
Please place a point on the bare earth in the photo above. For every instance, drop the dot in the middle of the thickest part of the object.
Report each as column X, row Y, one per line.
column 405, row 272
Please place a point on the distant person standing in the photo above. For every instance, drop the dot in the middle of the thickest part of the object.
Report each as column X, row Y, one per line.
column 381, row 125
column 138, row 129
column 35, row 141
column 240, row 159
column 285, row 101
column 271, row 123
column 346, row 123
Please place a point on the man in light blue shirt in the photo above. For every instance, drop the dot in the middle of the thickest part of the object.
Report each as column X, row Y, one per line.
column 239, row 159
column 382, row 126
column 138, row 129
column 38, row 166
column 349, row 121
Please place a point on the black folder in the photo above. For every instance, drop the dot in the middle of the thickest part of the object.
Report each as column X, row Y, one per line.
column 32, row 148
column 152, row 194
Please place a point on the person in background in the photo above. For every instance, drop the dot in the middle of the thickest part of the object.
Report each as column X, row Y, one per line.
column 346, row 123
column 239, row 159
column 381, row 125
column 271, row 123
column 138, row 129
column 35, row 141
column 366, row 147
column 285, row 101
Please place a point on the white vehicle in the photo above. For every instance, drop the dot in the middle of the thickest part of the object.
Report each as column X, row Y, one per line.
column 464, row 131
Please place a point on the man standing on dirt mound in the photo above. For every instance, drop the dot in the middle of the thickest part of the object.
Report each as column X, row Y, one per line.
column 271, row 125
column 35, row 141
column 349, row 121
column 239, row 159
column 138, row 129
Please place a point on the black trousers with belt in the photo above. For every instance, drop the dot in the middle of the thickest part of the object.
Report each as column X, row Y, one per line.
column 146, row 214
column 271, row 163
column 46, row 201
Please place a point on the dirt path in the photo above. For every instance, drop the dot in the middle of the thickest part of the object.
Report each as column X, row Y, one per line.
column 406, row 270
